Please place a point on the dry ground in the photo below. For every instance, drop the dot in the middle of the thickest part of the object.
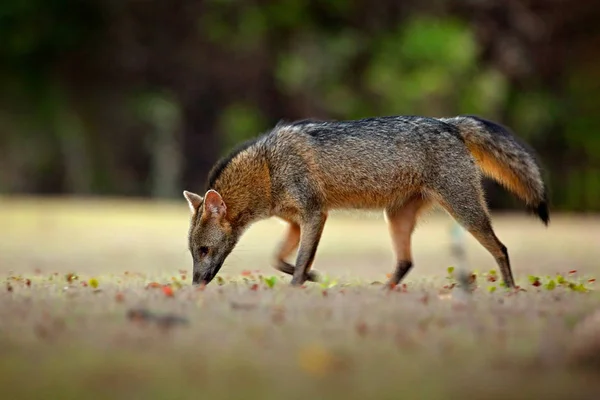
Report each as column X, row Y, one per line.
column 61, row 339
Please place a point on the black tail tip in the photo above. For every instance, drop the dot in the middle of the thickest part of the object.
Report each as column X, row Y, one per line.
column 541, row 210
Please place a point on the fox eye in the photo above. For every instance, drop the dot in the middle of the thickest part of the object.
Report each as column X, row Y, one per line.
column 203, row 250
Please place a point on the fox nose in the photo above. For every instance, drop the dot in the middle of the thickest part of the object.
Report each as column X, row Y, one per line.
column 196, row 278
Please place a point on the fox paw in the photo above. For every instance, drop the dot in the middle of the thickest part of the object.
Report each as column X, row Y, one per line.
column 311, row 276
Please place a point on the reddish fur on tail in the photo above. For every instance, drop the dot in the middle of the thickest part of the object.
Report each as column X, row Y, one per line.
column 501, row 157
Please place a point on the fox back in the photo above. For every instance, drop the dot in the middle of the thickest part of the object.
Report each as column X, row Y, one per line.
column 370, row 163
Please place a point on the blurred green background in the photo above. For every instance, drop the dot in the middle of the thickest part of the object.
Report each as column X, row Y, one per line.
column 140, row 97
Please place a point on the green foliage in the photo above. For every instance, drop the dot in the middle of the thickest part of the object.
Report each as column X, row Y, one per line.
column 296, row 59
column 240, row 121
column 270, row 281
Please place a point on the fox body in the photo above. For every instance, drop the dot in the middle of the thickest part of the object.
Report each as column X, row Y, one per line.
column 299, row 171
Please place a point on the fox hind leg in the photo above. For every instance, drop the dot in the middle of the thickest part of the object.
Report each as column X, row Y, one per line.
column 464, row 201
column 401, row 224
column 287, row 247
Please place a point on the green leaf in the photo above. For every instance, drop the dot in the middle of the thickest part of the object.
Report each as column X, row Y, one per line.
column 577, row 287
column 533, row 278
column 450, row 270
column 551, row 285
column 93, row 283
column 491, row 289
column 271, row 281
column 492, row 272
column 560, row 280
column 220, row 281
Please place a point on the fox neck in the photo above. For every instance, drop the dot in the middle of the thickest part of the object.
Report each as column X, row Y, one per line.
column 246, row 190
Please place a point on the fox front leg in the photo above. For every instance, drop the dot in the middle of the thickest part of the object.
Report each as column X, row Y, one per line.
column 286, row 247
column 311, row 231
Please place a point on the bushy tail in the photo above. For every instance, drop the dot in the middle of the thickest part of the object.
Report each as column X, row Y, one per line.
column 502, row 158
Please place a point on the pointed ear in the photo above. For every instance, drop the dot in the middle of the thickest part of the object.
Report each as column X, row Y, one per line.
column 194, row 200
column 214, row 204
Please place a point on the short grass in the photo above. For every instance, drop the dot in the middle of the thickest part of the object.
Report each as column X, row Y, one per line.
column 78, row 276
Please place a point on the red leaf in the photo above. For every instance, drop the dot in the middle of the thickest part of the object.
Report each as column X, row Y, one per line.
column 120, row 297
column 167, row 291
column 572, row 272
column 537, row 283
column 28, row 282
column 361, row 329
column 591, row 280
column 246, row 272
column 254, row 287
column 84, row 284
column 153, row 285
column 492, row 278
column 9, row 287
column 388, row 276
column 325, row 294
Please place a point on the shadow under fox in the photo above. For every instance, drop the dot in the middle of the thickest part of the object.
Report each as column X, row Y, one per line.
column 403, row 165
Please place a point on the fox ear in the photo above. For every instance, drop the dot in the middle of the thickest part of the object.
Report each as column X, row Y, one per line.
column 194, row 200
column 214, row 204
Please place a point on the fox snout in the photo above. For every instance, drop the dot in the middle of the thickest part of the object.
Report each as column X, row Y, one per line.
column 204, row 274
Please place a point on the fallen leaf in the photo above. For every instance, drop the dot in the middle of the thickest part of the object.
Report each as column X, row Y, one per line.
column 254, row 287
column 28, row 282
column 84, row 283
column 153, row 285
column 140, row 315
column 120, row 297
column 246, row 273
column 9, row 287
column 170, row 320
column 271, row 281
column 167, row 290
column 361, row 329
column 93, row 283
column 242, row 306
column 278, row 316
column 316, row 360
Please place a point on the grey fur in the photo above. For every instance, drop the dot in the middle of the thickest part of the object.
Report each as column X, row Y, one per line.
column 373, row 163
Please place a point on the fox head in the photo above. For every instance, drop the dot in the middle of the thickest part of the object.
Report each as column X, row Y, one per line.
column 211, row 237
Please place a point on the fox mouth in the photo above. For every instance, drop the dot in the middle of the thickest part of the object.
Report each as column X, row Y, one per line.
column 206, row 276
